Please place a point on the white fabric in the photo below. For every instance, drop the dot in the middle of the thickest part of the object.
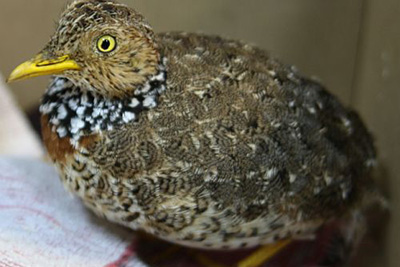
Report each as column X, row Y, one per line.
column 43, row 225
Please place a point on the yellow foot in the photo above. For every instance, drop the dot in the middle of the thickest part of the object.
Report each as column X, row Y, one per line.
column 205, row 261
column 263, row 254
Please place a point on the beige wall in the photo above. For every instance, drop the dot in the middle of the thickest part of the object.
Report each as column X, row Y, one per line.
column 352, row 46
column 377, row 96
column 320, row 37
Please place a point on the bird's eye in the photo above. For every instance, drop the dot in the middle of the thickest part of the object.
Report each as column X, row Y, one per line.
column 106, row 44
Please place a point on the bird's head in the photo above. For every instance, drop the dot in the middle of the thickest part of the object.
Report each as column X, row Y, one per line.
column 99, row 45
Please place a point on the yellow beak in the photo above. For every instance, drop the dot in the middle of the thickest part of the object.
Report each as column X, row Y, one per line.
column 39, row 67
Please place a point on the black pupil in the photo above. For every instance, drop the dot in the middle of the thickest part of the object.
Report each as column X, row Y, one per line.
column 105, row 44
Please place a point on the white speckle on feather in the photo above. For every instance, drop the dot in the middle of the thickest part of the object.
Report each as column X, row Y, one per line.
column 271, row 173
column 128, row 116
column 58, row 86
column 55, row 121
column 328, row 179
column 192, row 56
column 312, row 110
column 195, row 142
column 76, row 125
column 162, row 89
column 146, row 88
column 84, row 99
column 114, row 117
column 241, row 76
column 253, row 147
column 346, row 122
column 96, row 128
column 272, row 73
column 159, row 77
column 292, row 178
column 62, row 112
column 276, row 124
column 149, row 102
column 80, row 111
column 370, row 163
column 317, row 190
column 345, row 190
column 73, row 104
column 47, row 108
column 96, row 112
column 291, row 76
column 134, row 103
column 62, row 132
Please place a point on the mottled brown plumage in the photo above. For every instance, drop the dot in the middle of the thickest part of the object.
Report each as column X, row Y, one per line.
column 226, row 147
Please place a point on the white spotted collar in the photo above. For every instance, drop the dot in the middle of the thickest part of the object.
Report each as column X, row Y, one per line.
column 75, row 113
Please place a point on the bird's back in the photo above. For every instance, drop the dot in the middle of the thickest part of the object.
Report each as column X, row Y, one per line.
column 240, row 147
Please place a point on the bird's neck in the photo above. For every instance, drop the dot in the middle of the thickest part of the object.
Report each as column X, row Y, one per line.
column 74, row 113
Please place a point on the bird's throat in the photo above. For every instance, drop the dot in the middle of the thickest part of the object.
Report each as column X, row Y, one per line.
column 74, row 113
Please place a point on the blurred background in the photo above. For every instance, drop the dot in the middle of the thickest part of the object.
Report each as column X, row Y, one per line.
column 353, row 47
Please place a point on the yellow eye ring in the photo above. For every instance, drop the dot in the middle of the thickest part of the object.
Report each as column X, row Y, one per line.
column 106, row 44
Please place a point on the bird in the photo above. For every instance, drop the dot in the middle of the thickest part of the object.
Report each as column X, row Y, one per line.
column 197, row 139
